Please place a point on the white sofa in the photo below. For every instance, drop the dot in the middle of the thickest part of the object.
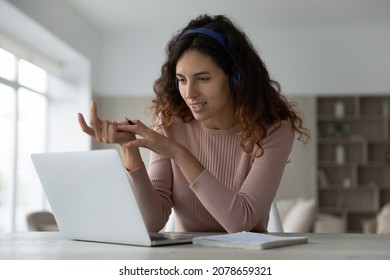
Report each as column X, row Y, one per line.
column 300, row 215
column 381, row 224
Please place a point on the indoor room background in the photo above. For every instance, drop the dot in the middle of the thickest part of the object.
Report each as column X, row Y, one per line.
column 111, row 52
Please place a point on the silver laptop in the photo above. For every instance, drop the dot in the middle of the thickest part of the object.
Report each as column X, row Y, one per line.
column 92, row 199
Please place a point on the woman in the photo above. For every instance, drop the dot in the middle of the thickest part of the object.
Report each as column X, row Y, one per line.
column 222, row 138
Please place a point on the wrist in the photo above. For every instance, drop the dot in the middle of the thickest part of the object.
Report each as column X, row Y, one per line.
column 131, row 158
column 180, row 153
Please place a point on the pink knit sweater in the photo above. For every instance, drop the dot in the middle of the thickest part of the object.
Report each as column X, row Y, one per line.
column 234, row 192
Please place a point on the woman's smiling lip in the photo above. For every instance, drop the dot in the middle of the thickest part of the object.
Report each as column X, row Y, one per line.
column 197, row 106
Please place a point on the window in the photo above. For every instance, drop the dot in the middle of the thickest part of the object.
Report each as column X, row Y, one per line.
column 44, row 83
column 23, row 124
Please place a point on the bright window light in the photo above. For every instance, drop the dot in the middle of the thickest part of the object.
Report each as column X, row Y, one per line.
column 23, row 125
column 32, row 76
column 7, row 65
column 7, row 148
column 31, row 139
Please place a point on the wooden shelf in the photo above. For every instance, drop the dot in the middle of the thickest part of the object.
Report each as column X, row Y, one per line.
column 353, row 157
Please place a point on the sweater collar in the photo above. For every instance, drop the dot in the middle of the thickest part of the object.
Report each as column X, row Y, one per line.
column 233, row 130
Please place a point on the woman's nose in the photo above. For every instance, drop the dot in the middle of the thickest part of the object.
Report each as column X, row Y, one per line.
column 191, row 90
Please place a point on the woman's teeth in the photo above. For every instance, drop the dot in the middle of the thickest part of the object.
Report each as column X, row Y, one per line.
column 197, row 106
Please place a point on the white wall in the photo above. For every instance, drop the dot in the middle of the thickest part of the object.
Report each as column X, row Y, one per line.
column 318, row 59
column 299, row 178
column 328, row 60
column 131, row 63
column 306, row 61
column 58, row 17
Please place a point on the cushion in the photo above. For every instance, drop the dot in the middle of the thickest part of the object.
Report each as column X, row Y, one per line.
column 326, row 223
column 383, row 220
column 383, row 223
column 385, row 209
column 300, row 217
column 284, row 206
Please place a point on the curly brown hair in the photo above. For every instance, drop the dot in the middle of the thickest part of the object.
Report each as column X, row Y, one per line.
column 257, row 98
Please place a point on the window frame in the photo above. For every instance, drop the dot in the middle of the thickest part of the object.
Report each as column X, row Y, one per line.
column 12, row 199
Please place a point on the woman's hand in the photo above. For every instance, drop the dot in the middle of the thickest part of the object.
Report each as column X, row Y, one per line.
column 152, row 140
column 102, row 130
column 149, row 139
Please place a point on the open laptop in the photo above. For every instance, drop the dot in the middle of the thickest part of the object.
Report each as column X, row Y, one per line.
column 92, row 199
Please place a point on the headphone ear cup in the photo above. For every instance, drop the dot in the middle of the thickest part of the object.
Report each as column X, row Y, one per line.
column 177, row 84
column 234, row 80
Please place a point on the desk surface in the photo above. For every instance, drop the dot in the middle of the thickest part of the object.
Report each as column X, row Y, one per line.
column 50, row 245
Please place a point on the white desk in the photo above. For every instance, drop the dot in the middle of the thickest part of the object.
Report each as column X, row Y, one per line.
column 50, row 245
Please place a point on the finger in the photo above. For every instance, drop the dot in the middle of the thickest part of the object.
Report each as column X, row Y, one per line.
column 134, row 129
column 105, row 133
column 93, row 111
column 120, row 122
column 95, row 121
column 84, row 127
column 119, row 137
column 137, row 128
column 112, row 133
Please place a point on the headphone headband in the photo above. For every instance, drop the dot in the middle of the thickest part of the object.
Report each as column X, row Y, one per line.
column 212, row 34
column 234, row 78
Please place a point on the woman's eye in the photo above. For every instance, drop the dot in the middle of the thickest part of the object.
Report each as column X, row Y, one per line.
column 180, row 81
column 204, row 78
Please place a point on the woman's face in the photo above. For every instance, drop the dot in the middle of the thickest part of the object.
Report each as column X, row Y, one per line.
column 205, row 88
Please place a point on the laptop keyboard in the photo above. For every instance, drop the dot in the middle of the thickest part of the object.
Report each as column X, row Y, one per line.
column 168, row 236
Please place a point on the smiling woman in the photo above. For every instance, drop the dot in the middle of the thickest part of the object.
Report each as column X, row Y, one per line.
column 222, row 137
column 204, row 86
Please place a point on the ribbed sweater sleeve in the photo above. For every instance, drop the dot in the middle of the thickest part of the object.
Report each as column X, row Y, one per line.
column 154, row 201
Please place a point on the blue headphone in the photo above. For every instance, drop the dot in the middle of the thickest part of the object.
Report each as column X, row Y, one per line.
column 234, row 79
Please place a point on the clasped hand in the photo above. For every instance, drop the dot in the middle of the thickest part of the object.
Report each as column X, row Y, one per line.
column 124, row 134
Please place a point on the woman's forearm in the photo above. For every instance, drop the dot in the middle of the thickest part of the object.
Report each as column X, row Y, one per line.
column 131, row 158
column 188, row 164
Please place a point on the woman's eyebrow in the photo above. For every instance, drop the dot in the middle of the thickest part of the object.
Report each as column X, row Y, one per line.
column 195, row 74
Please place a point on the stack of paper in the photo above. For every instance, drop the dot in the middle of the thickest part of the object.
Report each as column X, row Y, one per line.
column 249, row 240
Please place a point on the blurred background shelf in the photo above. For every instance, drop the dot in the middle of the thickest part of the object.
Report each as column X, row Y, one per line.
column 353, row 157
